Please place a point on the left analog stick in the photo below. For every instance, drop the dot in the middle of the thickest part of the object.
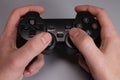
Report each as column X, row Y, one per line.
column 52, row 43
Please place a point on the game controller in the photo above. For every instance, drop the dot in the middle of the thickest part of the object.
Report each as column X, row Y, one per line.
column 31, row 24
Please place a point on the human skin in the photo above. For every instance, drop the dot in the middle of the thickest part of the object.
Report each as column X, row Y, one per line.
column 103, row 62
column 13, row 60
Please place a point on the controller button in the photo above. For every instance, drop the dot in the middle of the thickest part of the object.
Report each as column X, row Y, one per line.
column 89, row 32
column 32, row 21
column 60, row 35
column 51, row 27
column 79, row 26
column 86, row 20
column 94, row 26
column 68, row 27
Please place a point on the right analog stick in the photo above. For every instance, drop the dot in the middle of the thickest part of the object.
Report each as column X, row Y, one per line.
column 68, row 42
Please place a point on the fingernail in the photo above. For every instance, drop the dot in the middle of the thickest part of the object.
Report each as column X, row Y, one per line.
column 74, row 32
column 45, row 37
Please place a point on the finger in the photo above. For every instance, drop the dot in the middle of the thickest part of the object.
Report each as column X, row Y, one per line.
column 34, row 67
column 33, row 47
column 10, row 30
column 82, row 63
column 85, row 45
column 107, row 27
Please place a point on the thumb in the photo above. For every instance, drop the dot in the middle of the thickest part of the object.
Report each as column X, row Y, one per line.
column 85, row 45
column 33, row 47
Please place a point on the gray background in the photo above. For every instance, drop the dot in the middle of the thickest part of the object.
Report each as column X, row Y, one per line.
column 56, row 68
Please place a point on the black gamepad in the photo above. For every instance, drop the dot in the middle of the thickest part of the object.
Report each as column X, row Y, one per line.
column 32, row 24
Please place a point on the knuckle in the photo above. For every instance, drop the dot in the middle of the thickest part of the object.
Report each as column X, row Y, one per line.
column 15, row 10
column 94, row 7
column 42, row 41
column 116, row 40
column 85, row 41
column 34, row 46
column 102, row 10
column 31, row 45
column 112, row 41
column 88, row 6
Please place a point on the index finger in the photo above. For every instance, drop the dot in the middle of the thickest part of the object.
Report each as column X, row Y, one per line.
column 107, row 27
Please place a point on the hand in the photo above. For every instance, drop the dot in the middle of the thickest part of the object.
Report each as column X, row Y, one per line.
column 14, row 61
column 103, row 63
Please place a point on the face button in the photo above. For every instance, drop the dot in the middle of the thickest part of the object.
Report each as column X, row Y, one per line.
column 94, row 26
column 89, row 32
column 79, row 26
column 86, row 20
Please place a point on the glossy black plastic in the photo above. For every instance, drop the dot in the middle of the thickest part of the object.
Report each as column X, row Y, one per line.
column 32, row 24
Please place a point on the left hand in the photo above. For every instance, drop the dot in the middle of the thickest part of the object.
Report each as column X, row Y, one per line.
column 13, row 61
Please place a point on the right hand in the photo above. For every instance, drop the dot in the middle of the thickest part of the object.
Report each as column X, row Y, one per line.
column 103, row 63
